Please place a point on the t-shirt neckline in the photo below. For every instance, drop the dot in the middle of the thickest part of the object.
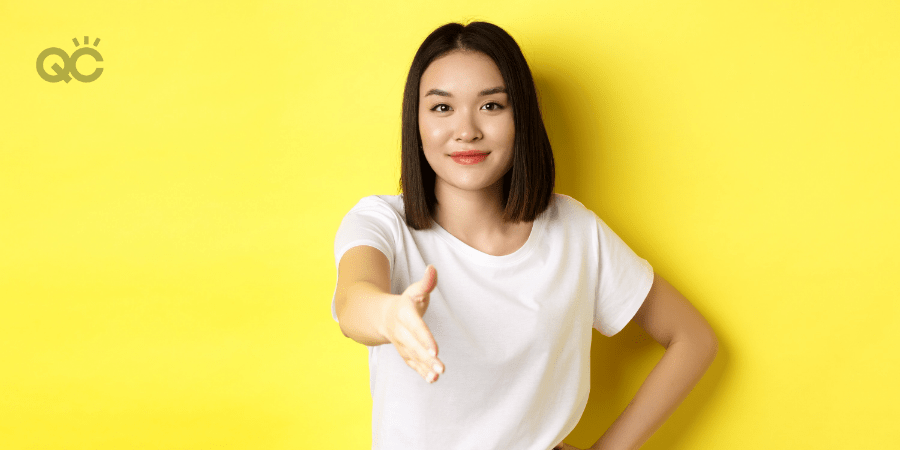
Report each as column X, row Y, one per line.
column 477, row 256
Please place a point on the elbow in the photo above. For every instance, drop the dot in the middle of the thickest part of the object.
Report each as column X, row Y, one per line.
column 703, row 344
column 709, row 344
column 338, row 309
column 705, row 341
column 341, row 326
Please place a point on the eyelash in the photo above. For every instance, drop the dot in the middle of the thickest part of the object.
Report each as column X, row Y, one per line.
column 497, row 106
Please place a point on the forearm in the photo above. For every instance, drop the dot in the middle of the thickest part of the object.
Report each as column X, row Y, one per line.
column 361, row 313
column 680, row 368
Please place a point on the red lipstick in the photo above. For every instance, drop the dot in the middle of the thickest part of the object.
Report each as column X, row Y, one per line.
column 469, row 157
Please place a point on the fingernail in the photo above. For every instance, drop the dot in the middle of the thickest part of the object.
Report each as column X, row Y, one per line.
column 431, row 377
column 437, row 368
column 433, row 352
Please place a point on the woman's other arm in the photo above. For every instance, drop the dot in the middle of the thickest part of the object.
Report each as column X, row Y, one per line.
column 369, row 314
column 691, row 347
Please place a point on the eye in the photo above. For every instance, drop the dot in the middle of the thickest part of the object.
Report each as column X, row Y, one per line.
column 441, row 107
column 492, row 106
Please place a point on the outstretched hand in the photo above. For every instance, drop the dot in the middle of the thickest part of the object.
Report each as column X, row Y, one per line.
column 405, row 328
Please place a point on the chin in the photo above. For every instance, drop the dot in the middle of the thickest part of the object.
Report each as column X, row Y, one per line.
column 472, row 185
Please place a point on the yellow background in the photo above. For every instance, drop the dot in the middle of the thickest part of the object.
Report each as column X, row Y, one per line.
column 166, row 231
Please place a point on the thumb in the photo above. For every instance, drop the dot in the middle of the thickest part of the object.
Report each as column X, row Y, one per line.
column 426, row 284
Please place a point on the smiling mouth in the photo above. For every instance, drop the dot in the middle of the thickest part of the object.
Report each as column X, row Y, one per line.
column 469, row 157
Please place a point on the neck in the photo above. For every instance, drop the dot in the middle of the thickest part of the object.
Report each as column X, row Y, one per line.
column 470, row 213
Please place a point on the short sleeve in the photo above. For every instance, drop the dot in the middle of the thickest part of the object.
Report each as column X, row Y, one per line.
column 625, row 280
column 372, row 222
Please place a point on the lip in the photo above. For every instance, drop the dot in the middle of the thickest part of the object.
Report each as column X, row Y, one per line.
column 468, row 153
column 468, row 157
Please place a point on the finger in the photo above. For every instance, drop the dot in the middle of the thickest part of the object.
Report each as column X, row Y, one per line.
column 418, row 367
column 418, row 330
column 425, row 371
column 425, row 348
column 412, row 348
column 413, row 340
column 429, row 280
column 419, row 290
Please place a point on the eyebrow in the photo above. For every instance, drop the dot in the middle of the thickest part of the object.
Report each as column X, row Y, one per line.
column 490, row 91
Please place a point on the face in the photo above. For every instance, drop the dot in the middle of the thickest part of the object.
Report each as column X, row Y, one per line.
column 466, row 121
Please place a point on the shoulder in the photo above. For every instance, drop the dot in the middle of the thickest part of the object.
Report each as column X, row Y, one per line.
column 564, row 201
column 565, row 208
column 381, row 205
column 380, row 202
column 386, row 210
column 376, row 219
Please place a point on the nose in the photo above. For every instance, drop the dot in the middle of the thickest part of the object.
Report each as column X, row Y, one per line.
column 468, row 129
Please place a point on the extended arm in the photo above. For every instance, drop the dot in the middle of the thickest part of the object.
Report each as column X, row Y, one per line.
column 691, row 347
column 369, row 314
column 363, row 292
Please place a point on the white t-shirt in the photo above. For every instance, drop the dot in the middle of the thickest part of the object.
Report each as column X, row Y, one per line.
column 513, row 331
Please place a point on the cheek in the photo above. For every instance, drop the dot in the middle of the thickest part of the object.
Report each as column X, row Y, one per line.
column 431, row 131
column 504, row 132
column 429, row 140
column 510, row 130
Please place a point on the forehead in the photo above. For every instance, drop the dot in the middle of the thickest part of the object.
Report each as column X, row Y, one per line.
column 461, row 72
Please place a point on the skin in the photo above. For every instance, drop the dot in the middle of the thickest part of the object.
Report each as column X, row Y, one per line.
column 461, row 108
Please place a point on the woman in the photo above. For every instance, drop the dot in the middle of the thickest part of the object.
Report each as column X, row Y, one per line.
column 502, row 337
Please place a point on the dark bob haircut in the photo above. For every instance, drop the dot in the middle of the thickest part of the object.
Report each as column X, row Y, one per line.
column 528, row 186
